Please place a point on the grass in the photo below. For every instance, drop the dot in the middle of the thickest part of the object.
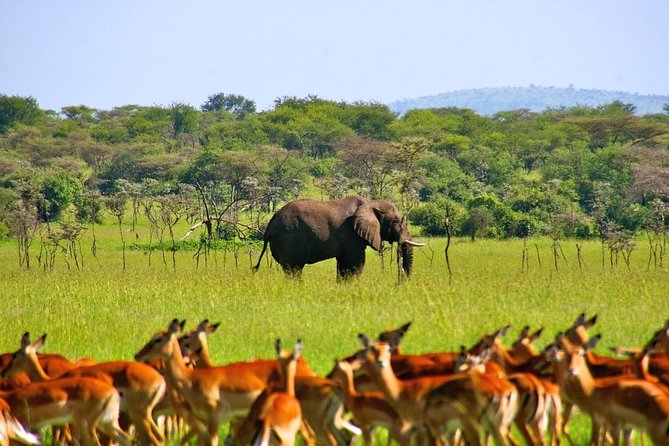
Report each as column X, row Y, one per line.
column 106, row 313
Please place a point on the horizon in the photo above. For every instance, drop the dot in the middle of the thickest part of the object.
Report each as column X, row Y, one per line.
column 389, row 104
column 159, row 52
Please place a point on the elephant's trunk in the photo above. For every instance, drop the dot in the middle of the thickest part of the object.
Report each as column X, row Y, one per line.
column 406, row 251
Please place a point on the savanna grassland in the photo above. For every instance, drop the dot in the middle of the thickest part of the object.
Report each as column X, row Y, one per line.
column 105, row 312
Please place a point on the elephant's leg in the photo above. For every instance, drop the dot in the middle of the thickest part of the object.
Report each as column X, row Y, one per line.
column 294, row 271
column 350, row 264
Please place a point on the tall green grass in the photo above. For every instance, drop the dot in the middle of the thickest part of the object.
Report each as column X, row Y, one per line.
column 104, row 312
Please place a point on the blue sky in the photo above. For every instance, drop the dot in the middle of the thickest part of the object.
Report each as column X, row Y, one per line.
column 112, row 53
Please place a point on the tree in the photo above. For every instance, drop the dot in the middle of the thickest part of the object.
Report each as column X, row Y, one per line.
column 232, row 103
column 184, row 119
column 477, row 222
column 58, row 192
column 407, row 154
column 81, row 114
column 368, row 164
column 18, row 110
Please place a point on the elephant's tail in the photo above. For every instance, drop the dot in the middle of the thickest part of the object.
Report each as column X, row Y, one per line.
column 264, row 247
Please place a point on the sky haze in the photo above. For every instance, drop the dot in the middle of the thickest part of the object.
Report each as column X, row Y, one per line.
column 105, row 54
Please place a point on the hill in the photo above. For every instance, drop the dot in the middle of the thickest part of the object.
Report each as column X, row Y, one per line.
column 488, row 101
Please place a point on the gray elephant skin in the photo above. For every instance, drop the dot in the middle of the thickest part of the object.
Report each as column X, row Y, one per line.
column 307, row 231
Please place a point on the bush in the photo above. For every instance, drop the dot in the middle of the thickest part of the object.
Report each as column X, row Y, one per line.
column 430, row 217
column 58, row 193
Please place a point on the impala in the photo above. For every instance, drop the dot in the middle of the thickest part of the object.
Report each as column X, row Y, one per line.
column 85, row 403
column 661, row 339
column 322, row 407
column 213, row 395
column 540, row 405
column 140, row 385
column 11, row 430
column 276, row 411
column 601, row 366
column 369, row 409
column 614, row 402
column 478, row 398
column 419, row 400
column 405, row 366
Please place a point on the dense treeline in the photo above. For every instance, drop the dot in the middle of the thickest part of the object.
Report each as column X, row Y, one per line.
column 582, row 171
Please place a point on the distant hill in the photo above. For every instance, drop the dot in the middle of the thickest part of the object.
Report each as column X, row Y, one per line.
column 488, row 101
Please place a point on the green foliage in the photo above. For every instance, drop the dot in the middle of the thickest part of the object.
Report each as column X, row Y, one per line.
column 431, row 217
column 4, row 231
column 58, row 192
column 148, row 123
column 243, row 134
column 184, row 118
column 18, row 110
column 236, row 104
column 444, row 177
column 581, row 167
column 488, row 215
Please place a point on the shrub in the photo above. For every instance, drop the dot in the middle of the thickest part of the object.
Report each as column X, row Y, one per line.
column 430, row 217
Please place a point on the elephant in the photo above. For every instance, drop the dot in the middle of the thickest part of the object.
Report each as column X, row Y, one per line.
column 306, row 231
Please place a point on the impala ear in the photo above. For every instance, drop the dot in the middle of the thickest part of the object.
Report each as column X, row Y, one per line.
column 366, row 224
column 202, row 326
column 502, row 331
column 364, row 340
column 396, row 335
column 39, row 343
column 176, row 326
column 537, row 334
column 590, row 322
column 25, row 340
column 298, row 348
column 592, row 342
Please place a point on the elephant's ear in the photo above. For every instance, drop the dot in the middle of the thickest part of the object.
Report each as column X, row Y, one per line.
column 367, row 225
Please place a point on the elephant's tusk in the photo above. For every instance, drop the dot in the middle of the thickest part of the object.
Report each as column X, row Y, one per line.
column 412, row 243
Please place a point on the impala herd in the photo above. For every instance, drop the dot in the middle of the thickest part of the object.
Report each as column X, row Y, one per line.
column 472, row 396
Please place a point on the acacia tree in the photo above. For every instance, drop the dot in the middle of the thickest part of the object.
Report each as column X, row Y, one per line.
column 233, row 103
column 368, row 164
column 18, row 110
column 407, row 155
column 116, row 204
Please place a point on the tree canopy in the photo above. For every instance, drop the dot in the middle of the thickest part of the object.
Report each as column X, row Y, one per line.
column 515, row 173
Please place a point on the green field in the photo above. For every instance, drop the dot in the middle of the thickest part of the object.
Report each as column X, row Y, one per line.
column 104, row 312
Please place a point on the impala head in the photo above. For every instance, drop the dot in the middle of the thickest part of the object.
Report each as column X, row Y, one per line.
column 193, row 343
column 24, row 355
column 469, row 362
column 490, row 340
column 161, row 346
column 395, row 335
column 342, row 373
column 376, row 353
column 660, row 340
column 288, row 363
column 578, row 332
column 523, row 347
column 285, row 356
column 574, row 355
